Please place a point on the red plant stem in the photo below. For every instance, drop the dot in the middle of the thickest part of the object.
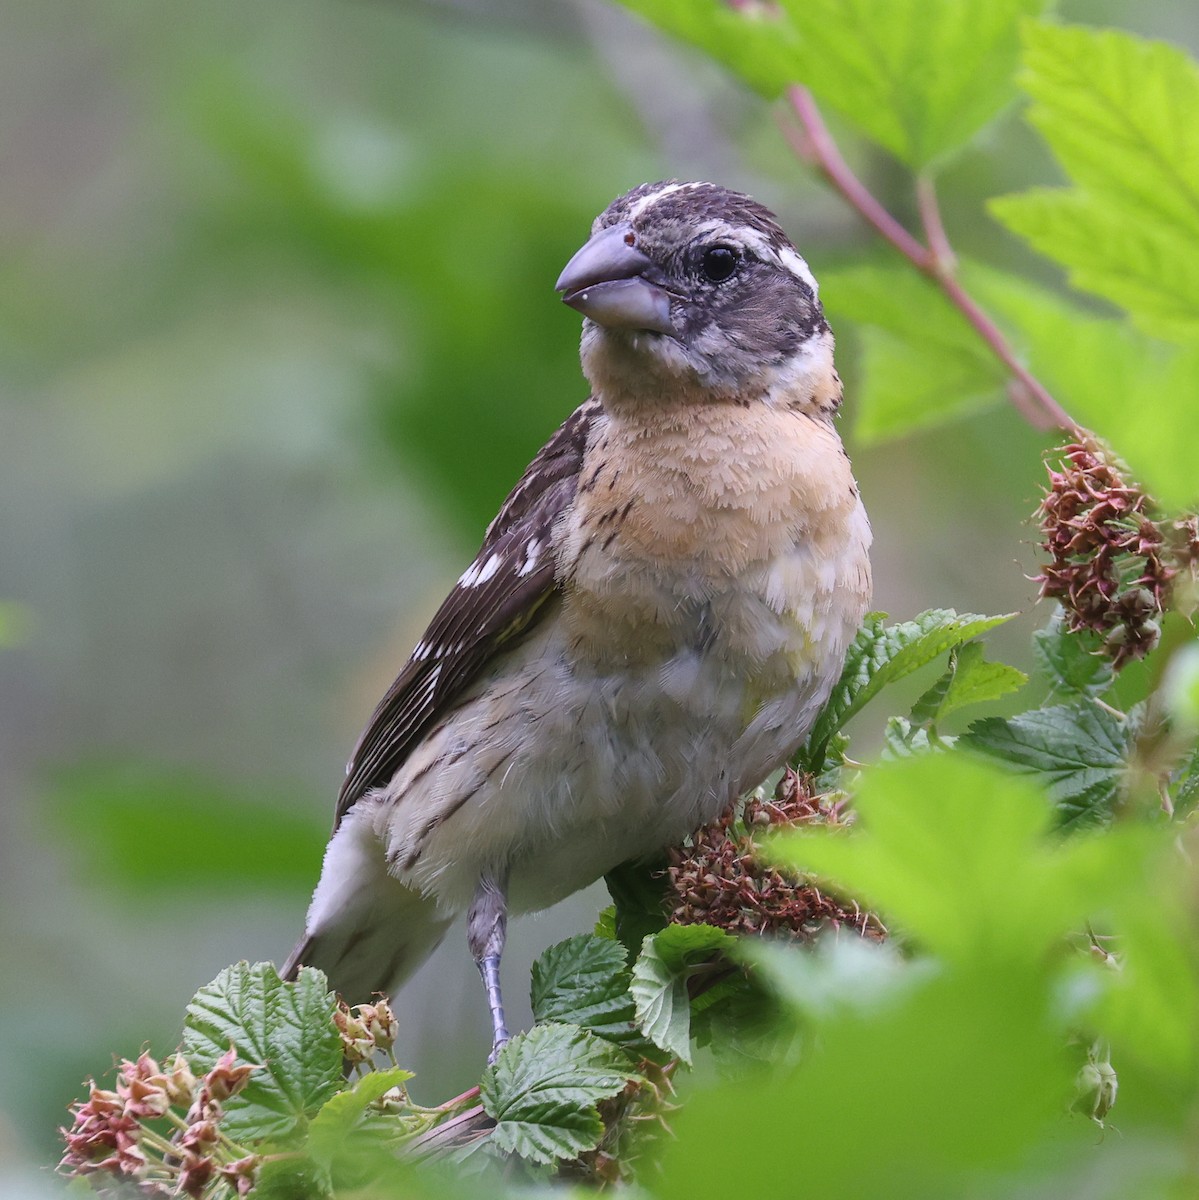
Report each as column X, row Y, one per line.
column 935, row 260
column 934, row 227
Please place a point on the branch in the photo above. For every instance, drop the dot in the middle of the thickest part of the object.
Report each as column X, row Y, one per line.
column 815, row 144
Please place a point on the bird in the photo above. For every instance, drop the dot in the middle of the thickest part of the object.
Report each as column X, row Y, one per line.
column 654, row 620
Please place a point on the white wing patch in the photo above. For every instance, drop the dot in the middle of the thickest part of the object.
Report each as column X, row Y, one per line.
column 532, row 557
column 478, row 573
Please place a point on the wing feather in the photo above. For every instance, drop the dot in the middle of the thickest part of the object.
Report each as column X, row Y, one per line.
column 497, row 599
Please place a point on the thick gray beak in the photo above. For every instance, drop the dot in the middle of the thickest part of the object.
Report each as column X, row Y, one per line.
column 609, row 281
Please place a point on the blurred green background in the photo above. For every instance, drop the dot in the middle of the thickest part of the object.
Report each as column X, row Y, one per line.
column 277, row 334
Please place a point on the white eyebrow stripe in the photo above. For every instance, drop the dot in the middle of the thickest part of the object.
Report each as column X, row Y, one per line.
column 654, row 197
column 792, row 260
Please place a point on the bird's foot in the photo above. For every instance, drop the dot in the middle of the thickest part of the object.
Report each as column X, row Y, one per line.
column 501, row 1040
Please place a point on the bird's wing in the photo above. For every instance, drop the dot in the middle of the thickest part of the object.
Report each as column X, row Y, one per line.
column 495, row 601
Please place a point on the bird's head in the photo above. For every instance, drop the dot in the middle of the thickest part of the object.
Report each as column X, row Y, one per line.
column 694, row 291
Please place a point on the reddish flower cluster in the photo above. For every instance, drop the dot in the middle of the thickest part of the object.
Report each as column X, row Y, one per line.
column 720, row 879
column 1109, row 563
column 110, row 1134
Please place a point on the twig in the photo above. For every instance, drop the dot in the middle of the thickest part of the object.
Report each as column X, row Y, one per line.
column 815, row 144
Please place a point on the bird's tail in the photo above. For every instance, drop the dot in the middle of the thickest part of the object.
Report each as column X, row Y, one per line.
column 365, row 930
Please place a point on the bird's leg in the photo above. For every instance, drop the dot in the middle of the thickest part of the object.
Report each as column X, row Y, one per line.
column 486, row 928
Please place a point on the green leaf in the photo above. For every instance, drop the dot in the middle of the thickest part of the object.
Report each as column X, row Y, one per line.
column 542, row 1090
column 883, row 653
column 333, row 1126
column 957, row 852
column 757, row 44
column 605, row 924
column 585, row 981
column 919, row 77
column 902, row 739
column 1186, row 787
column 659, row 986
column 1077, row 751
column 935, row 1096
column 638, row 891
column 923, row 364
column 970, row 679
column 1118, row 111
column 948, row 1057
column 1071, row 661
column 1150, row 271
column 1125, row 386
column 286, row 1028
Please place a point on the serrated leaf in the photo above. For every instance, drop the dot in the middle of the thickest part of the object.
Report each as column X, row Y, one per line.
column 287, row 1028
column 585, row 981
column 1150, row 271
column 1118, row 111
column 335, row 1122
column 1071, row 661
column 542, row 1091
column 757, row 45
column 919, row 77
column 970, row 679
column 605, row 923
column 883, row 653
column 659, row 984
column 1077, row 751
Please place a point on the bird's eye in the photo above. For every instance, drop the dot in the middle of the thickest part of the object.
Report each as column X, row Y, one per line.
column 718, row 263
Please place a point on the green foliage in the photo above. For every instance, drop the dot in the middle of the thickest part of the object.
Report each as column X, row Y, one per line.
column 1072, row 662
column 638, row 894
column 759, row 46
column 284, row 1029
column 1118, row 111
column 1078, row 751
column 969, row 679
column 882, row 654
column 659, row 984
column 919, row 77
column 922, row 364
column 543, row 1089
column 958, row 854
column 585, row 980
column 332, row 1132
column 1040, row 963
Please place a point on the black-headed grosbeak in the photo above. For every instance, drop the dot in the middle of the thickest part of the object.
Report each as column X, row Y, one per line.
column 653, row 622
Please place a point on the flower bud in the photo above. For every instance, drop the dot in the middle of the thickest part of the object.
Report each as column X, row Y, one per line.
column 226, row 1079
column 381, row 1024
